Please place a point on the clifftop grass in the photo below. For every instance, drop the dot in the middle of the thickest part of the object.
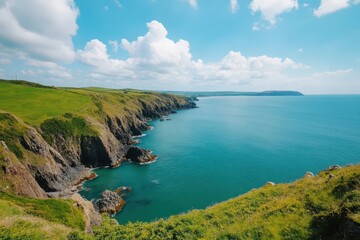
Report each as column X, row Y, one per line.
column 34, row 103
column 26, row 218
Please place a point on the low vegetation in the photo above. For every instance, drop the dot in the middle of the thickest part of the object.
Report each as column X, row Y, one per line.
column 27, row 218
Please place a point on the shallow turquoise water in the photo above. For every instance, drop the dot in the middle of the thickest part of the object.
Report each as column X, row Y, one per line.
column 230, row 145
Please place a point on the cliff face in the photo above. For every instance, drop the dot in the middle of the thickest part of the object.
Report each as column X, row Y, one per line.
column 54, row 155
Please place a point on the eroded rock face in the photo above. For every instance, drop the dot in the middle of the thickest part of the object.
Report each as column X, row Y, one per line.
column 23, row 183
column 140, row 155
column 109, row 203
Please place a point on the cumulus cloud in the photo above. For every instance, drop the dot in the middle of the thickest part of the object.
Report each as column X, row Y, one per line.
column 331, row 6
column 156, row 57
column 156, row 49
column 234, row 5
column 271, row 9
column 39, row 29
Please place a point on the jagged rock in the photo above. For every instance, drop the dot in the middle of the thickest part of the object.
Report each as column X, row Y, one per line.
column 333, row 168
column 19, row 177
column 123, row 189
column 92, row 217
column 308, row 174
column 140, row 155
column 109, row 203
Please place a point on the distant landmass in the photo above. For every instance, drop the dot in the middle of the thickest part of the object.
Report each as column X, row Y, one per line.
column 232, row 93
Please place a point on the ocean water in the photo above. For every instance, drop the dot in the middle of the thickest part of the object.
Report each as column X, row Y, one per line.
column 230, row 145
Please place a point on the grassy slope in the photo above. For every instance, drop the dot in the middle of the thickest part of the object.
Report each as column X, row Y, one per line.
column 26, row 218
column 35, row 104
column 311, row 208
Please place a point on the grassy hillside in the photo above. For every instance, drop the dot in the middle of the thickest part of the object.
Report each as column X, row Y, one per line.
column 326, row 206
column 35, row 104
column 26, row 218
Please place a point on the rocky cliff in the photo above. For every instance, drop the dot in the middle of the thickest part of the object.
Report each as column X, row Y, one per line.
column 39, row 160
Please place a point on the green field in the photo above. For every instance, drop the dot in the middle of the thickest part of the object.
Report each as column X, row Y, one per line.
column 35, row 104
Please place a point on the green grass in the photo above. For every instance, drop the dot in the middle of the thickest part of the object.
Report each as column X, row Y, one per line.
column 10, row 132
column 35, row 104
column 54, row 210
column 27, row 218
column 67, row 126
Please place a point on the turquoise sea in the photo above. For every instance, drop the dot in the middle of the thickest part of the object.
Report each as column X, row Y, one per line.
column 230, row 145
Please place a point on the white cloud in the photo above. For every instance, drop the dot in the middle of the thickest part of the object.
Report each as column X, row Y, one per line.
column 331, row 6
column 39, row 29
column 106, row 8
column 155, row 57
column 156, row 49
column 300, row 50
column 305, row 5
column 234, row 4
column 271, row 9
column 193, row 3
column 49, row 67
column 337, row 73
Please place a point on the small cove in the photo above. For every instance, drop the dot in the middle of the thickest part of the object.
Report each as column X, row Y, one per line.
column 230, row 145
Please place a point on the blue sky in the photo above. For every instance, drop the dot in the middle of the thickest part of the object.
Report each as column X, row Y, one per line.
column 254, row 45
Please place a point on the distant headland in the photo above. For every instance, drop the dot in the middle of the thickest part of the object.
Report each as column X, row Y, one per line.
column 234, row 93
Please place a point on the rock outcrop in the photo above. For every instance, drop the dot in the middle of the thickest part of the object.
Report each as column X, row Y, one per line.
column 16, row 176
column 140, row 155
column 109, row 203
